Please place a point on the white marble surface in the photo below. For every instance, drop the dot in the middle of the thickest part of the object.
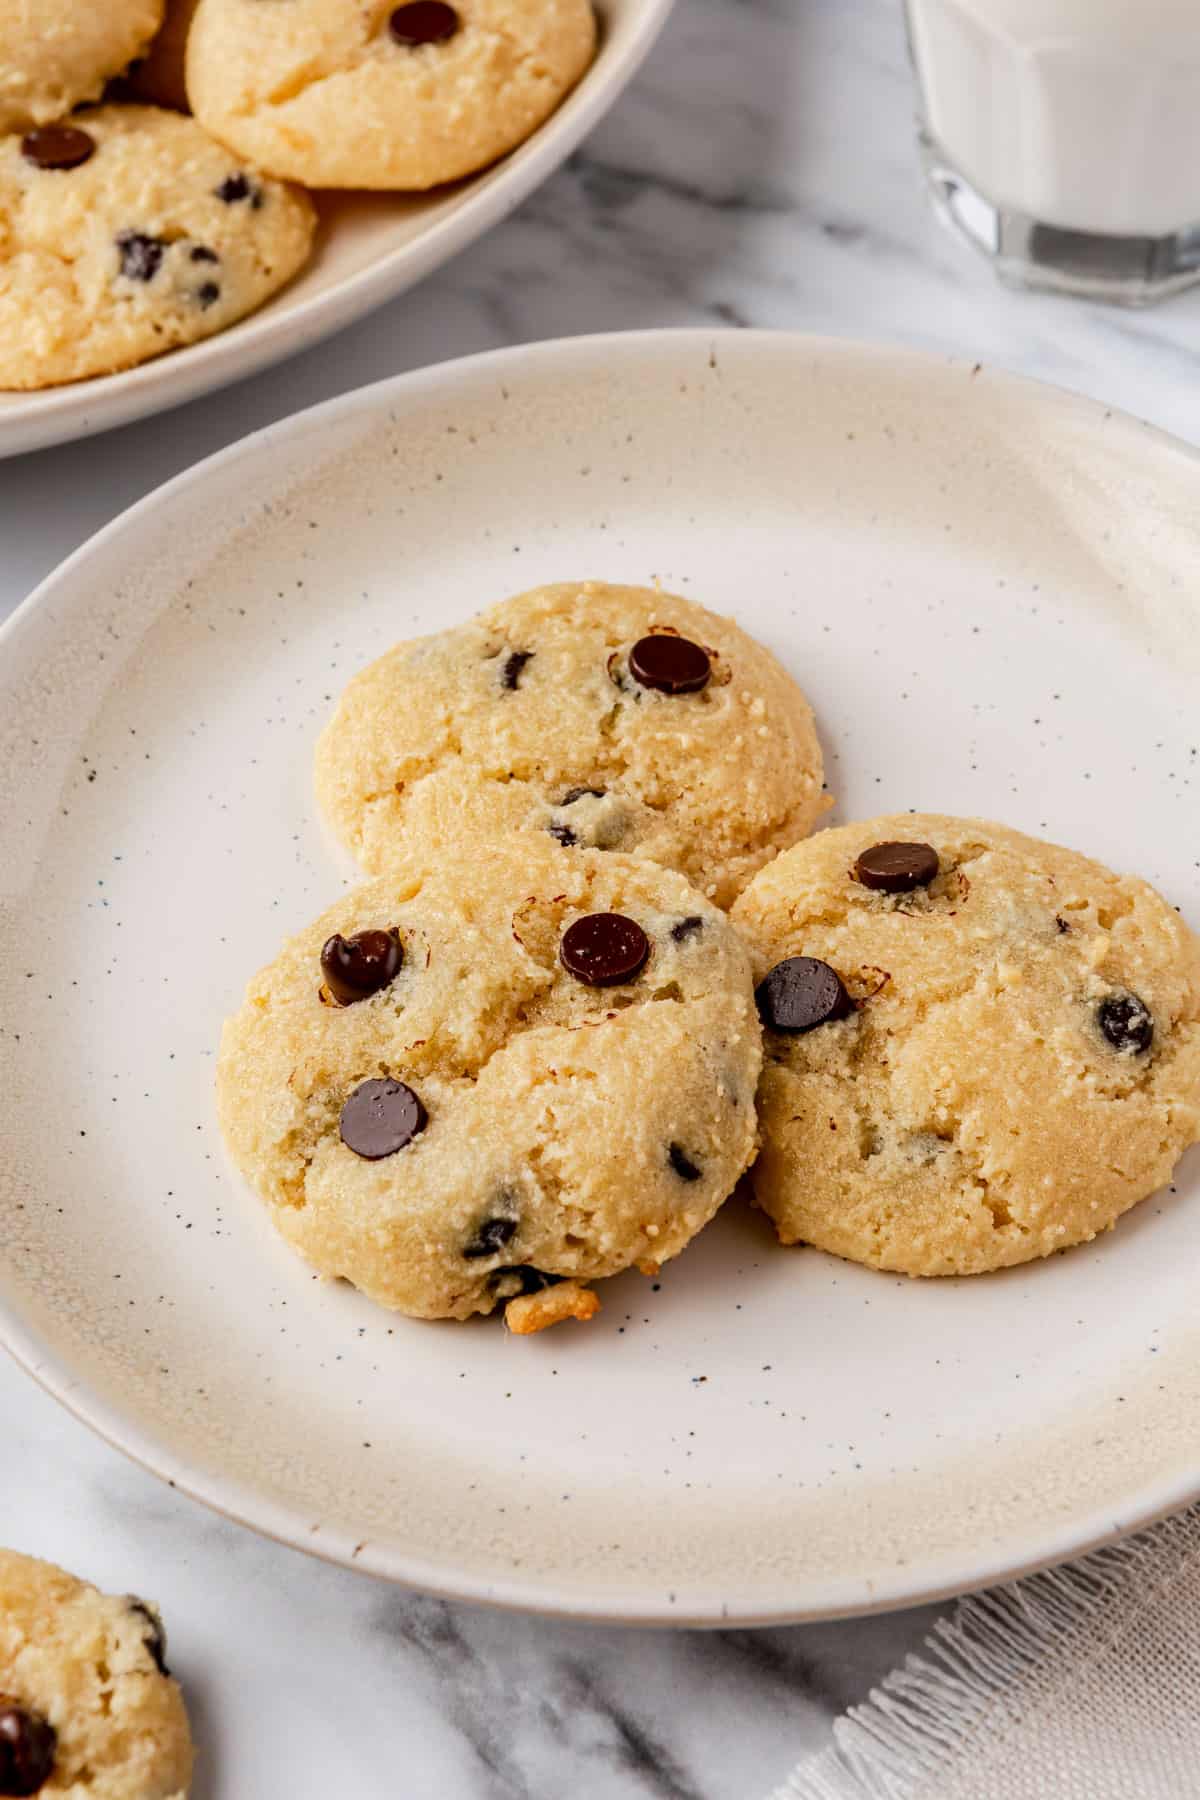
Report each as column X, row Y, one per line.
column 760, row 172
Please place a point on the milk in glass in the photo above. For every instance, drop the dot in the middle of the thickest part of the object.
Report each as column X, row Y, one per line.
column 1063, row 137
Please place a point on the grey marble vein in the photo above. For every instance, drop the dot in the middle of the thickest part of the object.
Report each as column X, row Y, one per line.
column 760, row 172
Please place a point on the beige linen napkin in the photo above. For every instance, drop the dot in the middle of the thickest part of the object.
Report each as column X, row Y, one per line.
column 1079, row 1684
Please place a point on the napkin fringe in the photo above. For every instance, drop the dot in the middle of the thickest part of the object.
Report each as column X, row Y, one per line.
column 921, row 1719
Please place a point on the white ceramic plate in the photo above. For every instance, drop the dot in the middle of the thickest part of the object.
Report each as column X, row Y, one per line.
column 989, row 591
column 370, row 248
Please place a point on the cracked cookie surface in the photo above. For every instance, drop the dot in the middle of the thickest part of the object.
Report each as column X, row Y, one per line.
column 334, row 93
column 532, row 715
column 1021, row 1062
column 522, row 1125
column 154, row 237
column 88, row 1710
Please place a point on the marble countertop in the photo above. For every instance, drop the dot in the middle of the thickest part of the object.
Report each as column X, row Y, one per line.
column 760, row 172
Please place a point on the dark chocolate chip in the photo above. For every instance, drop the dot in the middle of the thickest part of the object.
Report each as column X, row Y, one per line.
column 682, row 1164
column 380, row 1117
column 564, row 834
column 358, row 966
column 522, row 1278
column 577, row 793
column 57, row 147
column 154, row 1637
column 685, row 927
column 202, row 253
column 239, row 187
column 514, row 663
column 604, row 949
column 893, row 868
column 672, row 665
column 491, row 1237
column 140, row 255
column 801, row 993
column 28, row 1743
column 423, row 22
column 1061, row 923
column 207, row 294
column 1127, row 1023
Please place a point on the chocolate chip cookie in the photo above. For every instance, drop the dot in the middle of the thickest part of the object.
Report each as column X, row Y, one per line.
column 492, row 1076
column 127, row 231
column 55, row 54
column 337, row 94
column 87, row 1703
column 602, row 717
column 980, row 1048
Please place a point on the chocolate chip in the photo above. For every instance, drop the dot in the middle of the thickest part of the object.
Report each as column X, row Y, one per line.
column 685, row 927
column 154, row 1637
column 423, row 22
column 564, row 834
column 1127, row 1023
column 604, row 949
column 140, row 255
column 682, row 1164
column 207, row 293
column 894, row 868
column 1061, row 923
column 577, row 793
column 522, row 1278
column 514, row 662
column 57, row 147
column 672, row 665
column 358, row 966
column 801, row 993
column 491, row 1237
column 381, row 1117
column 239, row 187
column 28, row 1743
column 202, row 253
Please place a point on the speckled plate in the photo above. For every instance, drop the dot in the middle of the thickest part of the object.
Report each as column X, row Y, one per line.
column 370, row 248
column 989, row 590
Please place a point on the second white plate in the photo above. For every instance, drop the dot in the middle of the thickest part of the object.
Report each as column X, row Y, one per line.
column 370, row 248
column 987, row 588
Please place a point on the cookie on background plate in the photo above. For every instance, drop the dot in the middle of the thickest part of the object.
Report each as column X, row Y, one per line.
column 980, row 1048
column 55, row 54
column 87, row 1705
column 496, row 1078
column 338, row 94
column 614, row 718
column 127, row 231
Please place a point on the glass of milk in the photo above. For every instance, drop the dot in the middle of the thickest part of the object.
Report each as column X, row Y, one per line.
column 1062, row 137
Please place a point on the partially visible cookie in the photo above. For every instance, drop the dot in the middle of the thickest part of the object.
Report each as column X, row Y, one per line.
column 603, row 717
column 129, row 231
column 495, row 1072
column 338, row 94
column 88, row 1708
column 980, row 1048
column 55, row 54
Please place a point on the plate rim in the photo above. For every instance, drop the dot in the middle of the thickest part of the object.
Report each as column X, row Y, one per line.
column 74, row 411
column 845, row 1596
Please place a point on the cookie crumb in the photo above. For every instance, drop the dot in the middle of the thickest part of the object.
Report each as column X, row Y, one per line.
column 535, row 1312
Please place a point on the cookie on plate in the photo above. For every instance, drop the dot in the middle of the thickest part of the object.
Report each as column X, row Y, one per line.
column 496, row 1078
column 55, row 54
column 980, row 1048
column 617, row 718
column 340, row 95
column 87, row 1704
column 126, row 232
